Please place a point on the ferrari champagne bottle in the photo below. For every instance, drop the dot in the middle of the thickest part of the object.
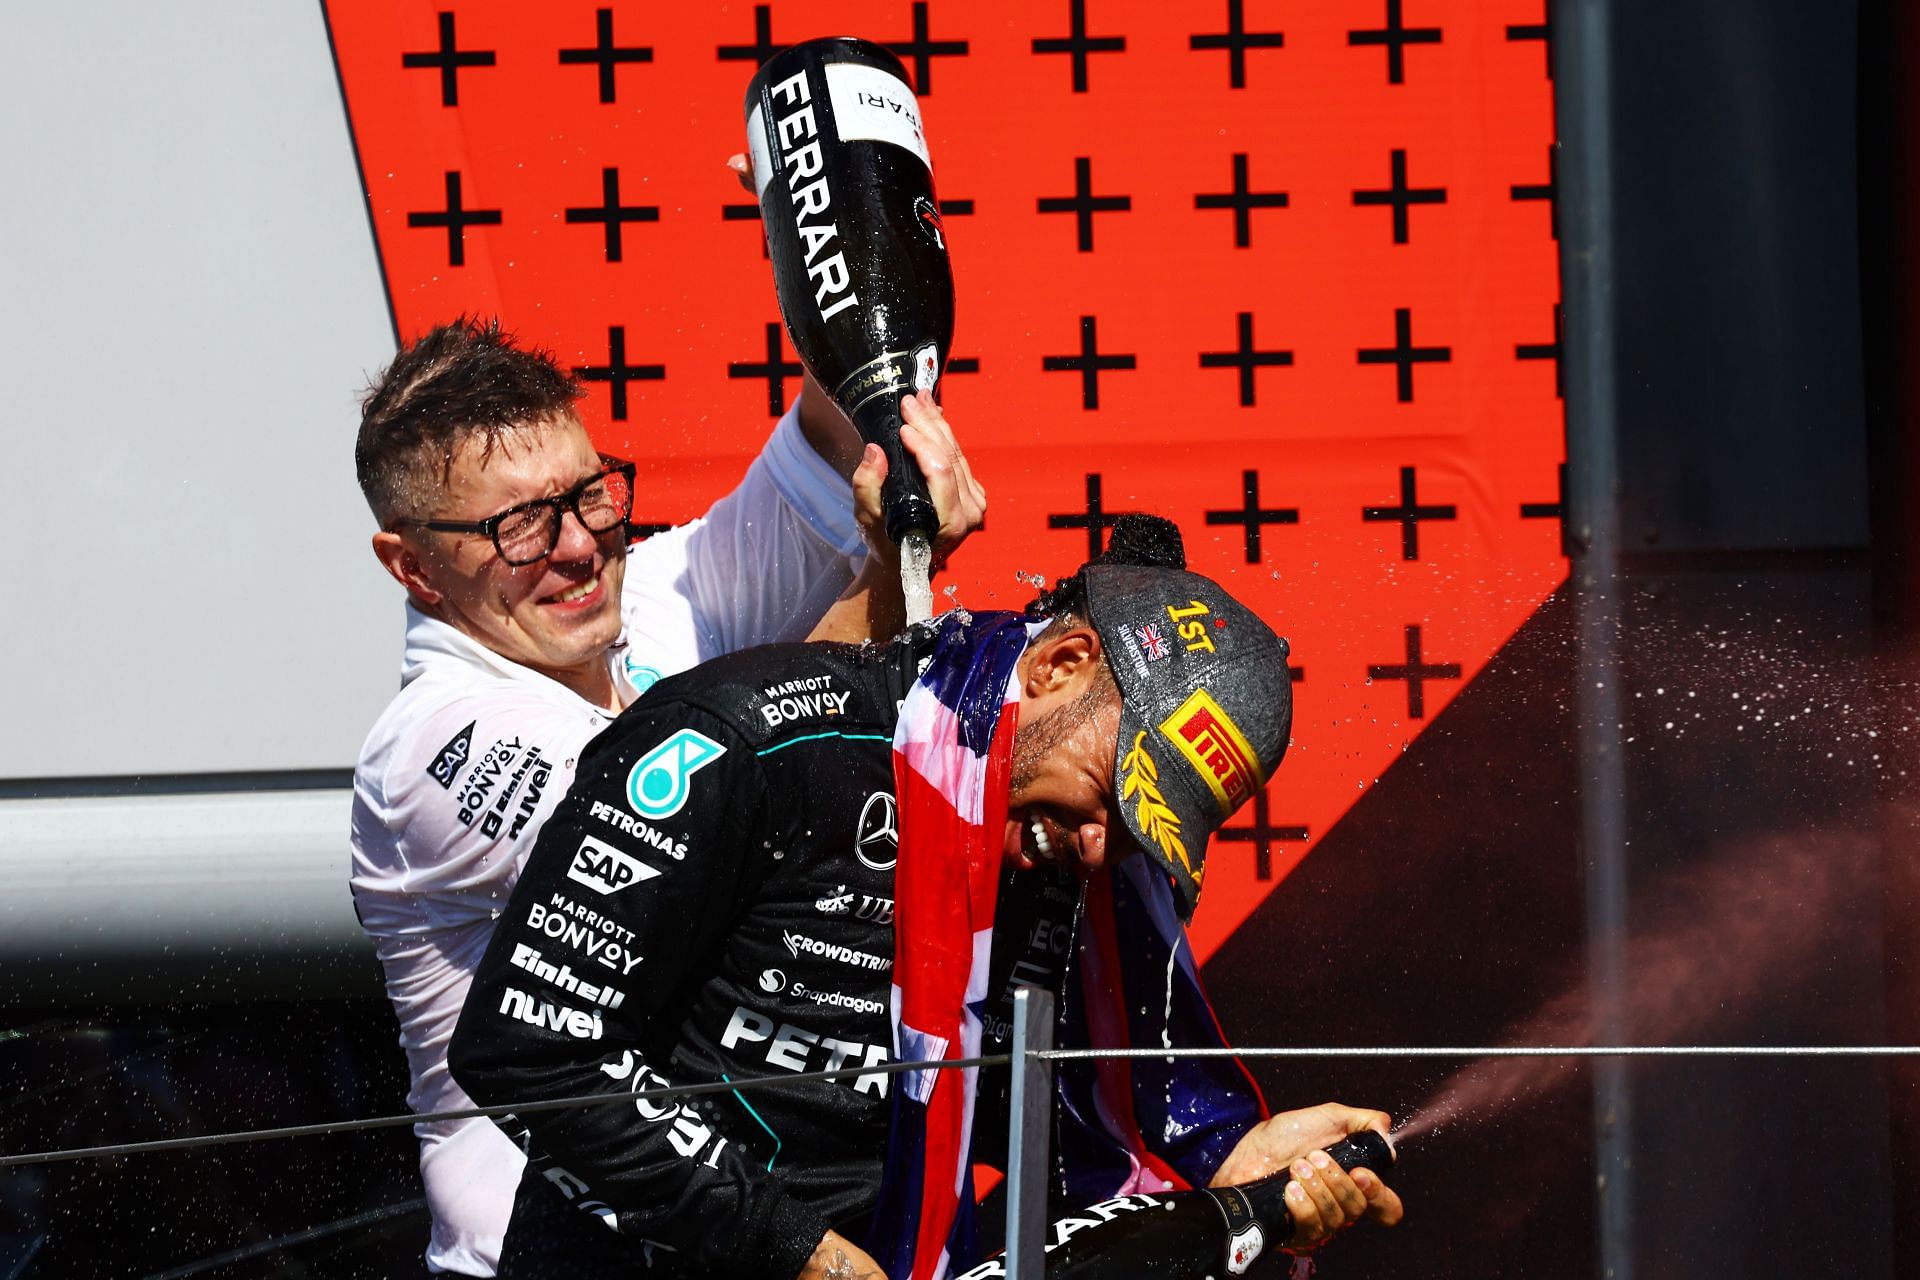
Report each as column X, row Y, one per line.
column 1214, row 1233
column 859, row 253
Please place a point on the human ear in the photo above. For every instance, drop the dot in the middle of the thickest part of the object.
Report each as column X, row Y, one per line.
column 1061, row 661
column 403, row 564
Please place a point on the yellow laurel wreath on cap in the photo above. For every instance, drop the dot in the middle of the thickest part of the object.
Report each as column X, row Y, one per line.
column 1142, row 776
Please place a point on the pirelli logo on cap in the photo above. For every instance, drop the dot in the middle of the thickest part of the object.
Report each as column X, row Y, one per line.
column 1219, row 752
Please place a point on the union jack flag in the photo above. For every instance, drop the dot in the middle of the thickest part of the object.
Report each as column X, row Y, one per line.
column 1152, row 642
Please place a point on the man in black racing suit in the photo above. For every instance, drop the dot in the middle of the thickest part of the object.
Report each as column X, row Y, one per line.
column 714, row 901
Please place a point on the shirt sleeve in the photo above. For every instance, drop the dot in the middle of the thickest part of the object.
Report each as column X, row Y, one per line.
column 623, row 908
column 448, row 802
column 760, row 567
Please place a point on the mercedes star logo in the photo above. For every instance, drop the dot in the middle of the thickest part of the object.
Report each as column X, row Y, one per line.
column 877, row 844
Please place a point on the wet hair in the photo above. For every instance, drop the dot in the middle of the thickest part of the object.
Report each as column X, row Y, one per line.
column 468, row 380
column 1134, row 540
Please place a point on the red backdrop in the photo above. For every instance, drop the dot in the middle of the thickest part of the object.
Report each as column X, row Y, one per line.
column 561, row 165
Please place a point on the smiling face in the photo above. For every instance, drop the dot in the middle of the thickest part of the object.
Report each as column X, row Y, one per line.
column 1060, row 793
column 558, row 615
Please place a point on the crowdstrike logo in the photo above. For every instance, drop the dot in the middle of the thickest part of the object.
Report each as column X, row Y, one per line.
column 876, row 841
column 799, row 944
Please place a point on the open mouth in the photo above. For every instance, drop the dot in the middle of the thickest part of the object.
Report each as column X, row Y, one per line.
column 576, row 593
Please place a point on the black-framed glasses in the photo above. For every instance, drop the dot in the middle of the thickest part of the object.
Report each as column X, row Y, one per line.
column 528, row 533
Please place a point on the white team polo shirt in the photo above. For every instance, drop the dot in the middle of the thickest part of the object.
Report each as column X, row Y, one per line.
column 468, row 760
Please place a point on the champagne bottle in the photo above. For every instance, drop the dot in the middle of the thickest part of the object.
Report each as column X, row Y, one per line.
column 859, row 253
column 1210, row 1234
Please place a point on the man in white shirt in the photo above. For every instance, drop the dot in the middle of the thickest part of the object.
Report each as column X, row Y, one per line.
column 530, row 625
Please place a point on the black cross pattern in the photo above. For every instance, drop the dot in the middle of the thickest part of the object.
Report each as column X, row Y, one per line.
column 1555, row 510
column 456, row 218
column 1404, row 354
column 1261, row 835
column 605, row 54
column 612, row 213
column 1096, row 519
column 762, row 47
column 1083, row 204
column 1245, row 358
column 617, row 373
column 1416, row 672
column 776, row 369
column 1079, row 44
column 1541, row 31
column 922, row 50
column 1548, row 191
column 449, row 59
column 1401, row 196
column 964, row 364
column 1396, row 37
column 1089, row 363
column 956, row 208
column 1236, row 40
column 1409, row 514
column 1242, row 201
column 1252, row 515
column 1545, row 351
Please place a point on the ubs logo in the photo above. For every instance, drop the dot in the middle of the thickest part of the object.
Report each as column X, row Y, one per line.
column 877, row 840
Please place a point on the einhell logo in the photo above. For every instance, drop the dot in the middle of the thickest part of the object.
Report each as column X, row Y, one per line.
column 1217, row 749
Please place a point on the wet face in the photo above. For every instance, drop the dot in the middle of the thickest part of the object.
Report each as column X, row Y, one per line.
column 1060, row 794
column 558, row 615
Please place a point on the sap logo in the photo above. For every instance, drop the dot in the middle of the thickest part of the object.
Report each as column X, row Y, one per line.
column 538, row 1013
column 657, row 786
column 876, row 841
column 604, row 869
column 794, row 1048
column 446, row 765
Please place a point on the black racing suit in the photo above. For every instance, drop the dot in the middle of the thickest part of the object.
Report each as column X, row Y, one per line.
column 714, row 900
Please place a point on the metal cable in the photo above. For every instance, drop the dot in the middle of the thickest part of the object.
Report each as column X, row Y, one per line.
column 993, row 1060
column 518, row 1108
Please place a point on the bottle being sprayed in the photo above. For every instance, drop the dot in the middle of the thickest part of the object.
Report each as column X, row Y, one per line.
column 1210, row 1234
column 859, row 253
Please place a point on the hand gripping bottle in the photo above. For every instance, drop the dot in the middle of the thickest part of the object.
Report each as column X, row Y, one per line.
column 1212, row 1234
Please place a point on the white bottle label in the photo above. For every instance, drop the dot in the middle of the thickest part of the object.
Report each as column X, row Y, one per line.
column 757, row 144
column 872, row 105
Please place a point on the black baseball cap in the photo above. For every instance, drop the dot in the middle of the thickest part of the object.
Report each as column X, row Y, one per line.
column 1206, row 706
